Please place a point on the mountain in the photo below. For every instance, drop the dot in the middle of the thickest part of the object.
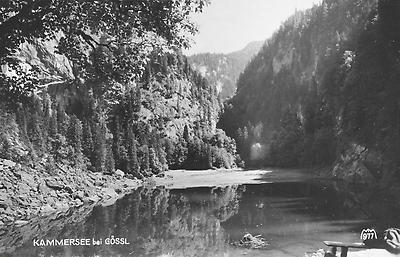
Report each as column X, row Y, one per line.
column 166, row 119
column 323, row 91
column 222, row 70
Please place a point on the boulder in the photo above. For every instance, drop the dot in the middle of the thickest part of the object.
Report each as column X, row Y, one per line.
column 20, row 223
column 5, row 202
column 42, row 188
column 77, row 202
column 29, row 180
column 4, row 163
column 98, row 183
column 108, row 193
column 60, row 206
column 119, row 173
column 92, row 199
column 54, row 184
column 7, row 185
column 78, row 195
column 46, row 209
column 7, row 219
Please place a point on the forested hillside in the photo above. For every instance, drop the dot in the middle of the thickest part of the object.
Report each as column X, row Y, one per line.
column 324, row 90
column 107, row 91
column 222, row 70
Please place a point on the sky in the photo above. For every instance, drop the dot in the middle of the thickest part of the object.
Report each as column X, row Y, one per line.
column 229, row 25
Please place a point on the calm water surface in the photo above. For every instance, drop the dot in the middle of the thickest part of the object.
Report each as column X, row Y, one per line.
column 295, row 216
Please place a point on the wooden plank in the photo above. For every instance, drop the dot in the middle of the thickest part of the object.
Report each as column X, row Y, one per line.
column 334, row 250
column 346, row 245
column 343, row 252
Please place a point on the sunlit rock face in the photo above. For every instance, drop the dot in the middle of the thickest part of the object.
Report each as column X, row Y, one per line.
column 222, row 70
column 42, row 54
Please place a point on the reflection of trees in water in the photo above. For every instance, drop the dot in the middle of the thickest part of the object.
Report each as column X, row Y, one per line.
column 21, row 237
column 369, row 201
column 156, row 222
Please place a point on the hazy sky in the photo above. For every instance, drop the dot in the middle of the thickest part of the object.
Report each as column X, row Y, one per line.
column 228, row 25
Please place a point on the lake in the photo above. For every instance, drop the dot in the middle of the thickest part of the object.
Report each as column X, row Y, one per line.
column 295, row 213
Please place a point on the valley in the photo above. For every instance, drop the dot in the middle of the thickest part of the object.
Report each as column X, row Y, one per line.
column 104, row 121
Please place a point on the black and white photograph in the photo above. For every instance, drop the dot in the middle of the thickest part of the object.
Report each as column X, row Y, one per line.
column 199, row 128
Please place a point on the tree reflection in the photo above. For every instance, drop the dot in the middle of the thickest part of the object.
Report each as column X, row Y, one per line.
column 156, row 222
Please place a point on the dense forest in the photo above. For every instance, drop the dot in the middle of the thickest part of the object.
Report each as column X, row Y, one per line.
column 324, row 90
column 223, row 70
column 108, row 91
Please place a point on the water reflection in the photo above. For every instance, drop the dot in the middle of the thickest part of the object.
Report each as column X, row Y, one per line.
column 294, row 216
column 156, row 222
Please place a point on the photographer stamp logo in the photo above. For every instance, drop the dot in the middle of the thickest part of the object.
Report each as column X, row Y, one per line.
column 368, row 234
column 80, row 242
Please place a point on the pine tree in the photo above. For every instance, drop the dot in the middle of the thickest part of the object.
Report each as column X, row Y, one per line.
column 133, row 163
column 180, row 154
column 22, row 122
column 87, row 141
column 118, row 144
column 110, row 162
column 35, row 131
column 162, row 156
column 46, row 119
column 186, row 133
column 145, row 160
column 169, row 151
column 154, row 163
column 75, row 136
column 63, row 119
column 53, row 124
column 210, row 159
column 99, row 142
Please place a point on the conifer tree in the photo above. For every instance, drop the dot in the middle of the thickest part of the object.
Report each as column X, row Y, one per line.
column 87, row 141
column 110, row 162
column 53, row 124
column 186, row 133
column 75, row 136
column 119, row 149
column 133, row 163
column 99, row 142
column 155, row 165
column 145, row 160
column 62, row 119
column 169, row 151
column 35, row 131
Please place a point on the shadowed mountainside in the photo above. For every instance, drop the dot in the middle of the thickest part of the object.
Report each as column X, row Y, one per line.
column 222, row 70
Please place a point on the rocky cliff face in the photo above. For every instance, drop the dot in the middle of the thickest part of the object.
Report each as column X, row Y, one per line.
column 294, row 61
column 222, row 70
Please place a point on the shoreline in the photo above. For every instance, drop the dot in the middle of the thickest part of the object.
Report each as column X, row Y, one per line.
column 181, row 179
column 76, row 201
column 27, row 193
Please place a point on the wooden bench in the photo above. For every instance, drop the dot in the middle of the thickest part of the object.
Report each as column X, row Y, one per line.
column 344, row 247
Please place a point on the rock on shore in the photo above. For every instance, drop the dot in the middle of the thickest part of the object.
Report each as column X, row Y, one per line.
column 25, row 192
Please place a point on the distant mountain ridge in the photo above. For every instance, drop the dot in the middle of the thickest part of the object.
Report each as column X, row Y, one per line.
column 222, row 70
